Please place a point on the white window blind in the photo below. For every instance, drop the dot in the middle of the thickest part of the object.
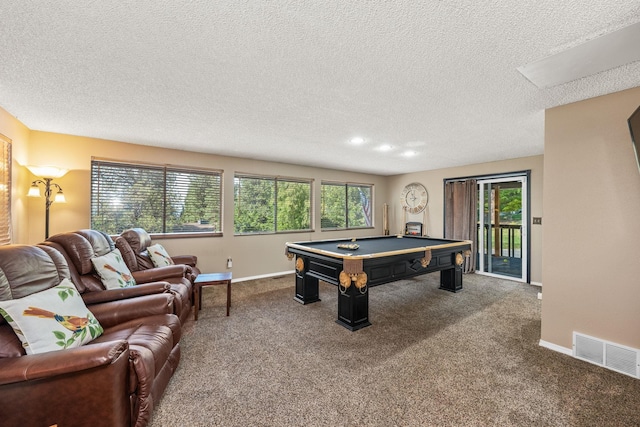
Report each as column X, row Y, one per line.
column 160, row 199
column 5, row 190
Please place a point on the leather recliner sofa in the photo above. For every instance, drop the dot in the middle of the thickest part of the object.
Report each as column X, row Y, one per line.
column 79, row 247
column 139, row 241
column 113, row 380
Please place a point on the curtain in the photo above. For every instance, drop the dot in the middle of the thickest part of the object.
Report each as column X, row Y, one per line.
column 461, row 216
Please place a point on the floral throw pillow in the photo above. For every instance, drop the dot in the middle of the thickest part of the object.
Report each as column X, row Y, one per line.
column 50, row 320
column 113, row 271
column 159, row 256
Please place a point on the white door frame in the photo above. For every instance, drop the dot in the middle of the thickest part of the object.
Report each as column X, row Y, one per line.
column 524, row 241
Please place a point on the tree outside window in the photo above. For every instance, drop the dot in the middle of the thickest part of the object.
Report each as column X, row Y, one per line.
column 345, row 205
column 265, row 204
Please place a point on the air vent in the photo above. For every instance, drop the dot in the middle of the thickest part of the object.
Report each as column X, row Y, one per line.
column 616, row 357
column 589, row 349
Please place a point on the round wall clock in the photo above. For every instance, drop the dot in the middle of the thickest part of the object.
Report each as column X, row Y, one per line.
column 414, row 198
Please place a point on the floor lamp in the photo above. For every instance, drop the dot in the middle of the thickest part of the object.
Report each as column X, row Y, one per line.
column 47, row 173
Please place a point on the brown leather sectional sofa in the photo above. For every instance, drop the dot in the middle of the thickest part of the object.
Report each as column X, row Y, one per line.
column 113, row 380
column 134, row 242
column 80, row 246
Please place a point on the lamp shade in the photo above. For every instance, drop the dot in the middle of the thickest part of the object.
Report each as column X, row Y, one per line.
column 60, row 197
column 34, row 191
column 47, row 171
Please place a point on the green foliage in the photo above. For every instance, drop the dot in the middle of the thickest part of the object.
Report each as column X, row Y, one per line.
column 511, row 200
column 344, row 206
column 6, row 316
column 254, row 205
column 293, row 206
column 510, row 204
column 65, row 292
column 268, row 205
column 333, row 207
column 94, row 327
column 61, row 337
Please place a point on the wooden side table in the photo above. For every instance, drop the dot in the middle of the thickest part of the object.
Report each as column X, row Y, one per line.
column 210, row 279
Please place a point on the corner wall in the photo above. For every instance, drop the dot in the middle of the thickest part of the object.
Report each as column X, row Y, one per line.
column 434, row 181
column 592, row 222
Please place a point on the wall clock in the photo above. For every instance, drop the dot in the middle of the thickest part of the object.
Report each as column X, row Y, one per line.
column 414, row 198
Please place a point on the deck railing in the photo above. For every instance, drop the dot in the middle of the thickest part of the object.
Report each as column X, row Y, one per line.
column 510, row 236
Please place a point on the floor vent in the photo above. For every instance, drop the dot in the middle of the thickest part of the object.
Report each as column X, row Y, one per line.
column 616, row 357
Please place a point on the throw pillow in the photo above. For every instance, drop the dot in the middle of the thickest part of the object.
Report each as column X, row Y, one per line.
column 159, row 256
column 54, row 319
column 113, row 271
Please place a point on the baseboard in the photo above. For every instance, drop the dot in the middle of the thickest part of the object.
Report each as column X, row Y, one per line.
column 263, row 276
column 536, row 284
column 555, row 347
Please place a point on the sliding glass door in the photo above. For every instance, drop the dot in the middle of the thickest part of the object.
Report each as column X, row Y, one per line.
column 502, row 227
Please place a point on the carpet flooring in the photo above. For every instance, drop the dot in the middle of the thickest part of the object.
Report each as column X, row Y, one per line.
column 430, row 358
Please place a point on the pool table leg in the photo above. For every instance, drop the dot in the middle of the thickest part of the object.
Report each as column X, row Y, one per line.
column 451, row 279
column 307, row 289
column 353, row 308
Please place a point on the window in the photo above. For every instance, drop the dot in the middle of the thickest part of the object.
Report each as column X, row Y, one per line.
column 346, row 205
column 160, row 199
column 271, row 204
column 5, row 190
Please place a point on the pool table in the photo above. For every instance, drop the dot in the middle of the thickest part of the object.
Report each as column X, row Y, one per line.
column 355, row 265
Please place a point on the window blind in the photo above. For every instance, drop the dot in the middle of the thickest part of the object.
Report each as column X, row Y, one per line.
column 5, row 190
column 160, row 199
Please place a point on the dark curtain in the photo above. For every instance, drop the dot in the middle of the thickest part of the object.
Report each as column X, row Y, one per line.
column 461, row 216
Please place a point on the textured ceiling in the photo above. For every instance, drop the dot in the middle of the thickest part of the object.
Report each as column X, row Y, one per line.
column 293, row 80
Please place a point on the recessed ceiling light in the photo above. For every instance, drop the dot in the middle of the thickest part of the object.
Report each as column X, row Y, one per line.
column 409, row 153
column 386, row 147
column 357, row 140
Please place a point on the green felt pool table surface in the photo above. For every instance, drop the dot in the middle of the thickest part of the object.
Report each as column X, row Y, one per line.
column 376, row 246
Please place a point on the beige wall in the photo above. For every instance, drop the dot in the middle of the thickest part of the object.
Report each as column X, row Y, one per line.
column 252, row 255
column 434, row 181
column 592, row 222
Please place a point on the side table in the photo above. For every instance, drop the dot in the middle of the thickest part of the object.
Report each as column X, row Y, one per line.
column 210, row 279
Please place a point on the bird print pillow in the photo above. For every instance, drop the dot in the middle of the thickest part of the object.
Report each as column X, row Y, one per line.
column 113, row 271
column 159, row 256
column 50, row 320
